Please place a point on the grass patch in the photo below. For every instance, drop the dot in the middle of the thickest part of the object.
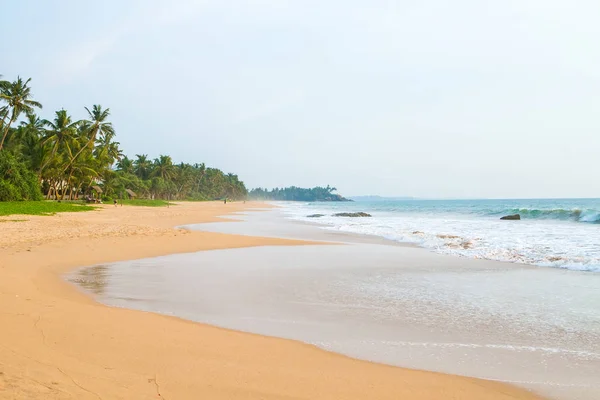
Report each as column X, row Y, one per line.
column 145, row 203
column 12, row 220
column 40, row 207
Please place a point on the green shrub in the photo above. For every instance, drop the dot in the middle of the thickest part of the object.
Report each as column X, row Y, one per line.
column 8, row 191
column 17, row 182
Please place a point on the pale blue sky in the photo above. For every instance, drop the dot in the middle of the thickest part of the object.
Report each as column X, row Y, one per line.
column 466, row 98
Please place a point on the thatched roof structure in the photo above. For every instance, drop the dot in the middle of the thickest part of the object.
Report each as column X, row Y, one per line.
column 97, row 189
column 131, row 193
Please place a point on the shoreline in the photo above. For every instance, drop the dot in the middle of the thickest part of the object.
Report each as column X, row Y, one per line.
column 59, row 342
column 473, row 232
column 372, row 238
column 424, row 310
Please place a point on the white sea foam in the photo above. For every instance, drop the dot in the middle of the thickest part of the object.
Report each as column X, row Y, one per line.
column 558, row 242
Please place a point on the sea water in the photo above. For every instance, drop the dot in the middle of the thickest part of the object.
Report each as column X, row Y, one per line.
column 561, row 233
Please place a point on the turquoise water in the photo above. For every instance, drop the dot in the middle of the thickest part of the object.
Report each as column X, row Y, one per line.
column 562, row 233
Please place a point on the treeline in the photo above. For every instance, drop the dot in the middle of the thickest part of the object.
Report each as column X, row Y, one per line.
column 162, row 179
column 64, row 158
column 294, row 193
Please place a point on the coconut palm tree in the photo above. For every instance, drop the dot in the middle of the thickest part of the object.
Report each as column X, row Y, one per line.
column 32, row 127
column 27, row 134
column 3, row 83
column 106, row 150
column 17, row 95
column 143, row 166
column 60, row 134
column 82, row 173
column 184, row 179
column 125, row 165
column 96, row 126
column 3, row 109
column 164, row 168
column 201, row 171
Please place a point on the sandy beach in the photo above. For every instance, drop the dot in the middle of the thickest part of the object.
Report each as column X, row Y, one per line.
column 58, row 343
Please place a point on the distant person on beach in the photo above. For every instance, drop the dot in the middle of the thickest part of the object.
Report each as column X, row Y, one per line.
column 115, row 201
column 224, row 201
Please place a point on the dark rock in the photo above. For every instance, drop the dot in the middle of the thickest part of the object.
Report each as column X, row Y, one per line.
column 315, row 215
column 513, row 217
column 356, row 214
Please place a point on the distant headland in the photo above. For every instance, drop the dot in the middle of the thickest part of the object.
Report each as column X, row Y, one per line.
column 294, row 193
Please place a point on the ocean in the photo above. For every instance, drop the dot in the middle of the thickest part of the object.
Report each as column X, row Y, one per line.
column 559, row 233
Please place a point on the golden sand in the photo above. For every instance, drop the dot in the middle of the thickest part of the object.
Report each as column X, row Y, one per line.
column 57, row 343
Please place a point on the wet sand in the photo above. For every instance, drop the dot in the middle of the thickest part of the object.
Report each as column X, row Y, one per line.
column 58, row 343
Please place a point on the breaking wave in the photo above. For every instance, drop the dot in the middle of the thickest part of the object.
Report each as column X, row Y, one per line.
column 575, row 214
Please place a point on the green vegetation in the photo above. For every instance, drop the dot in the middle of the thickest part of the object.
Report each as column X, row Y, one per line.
column 144, row 202
column 17, row 182
column 40, row 207
column 294, row 193
column 65, row 159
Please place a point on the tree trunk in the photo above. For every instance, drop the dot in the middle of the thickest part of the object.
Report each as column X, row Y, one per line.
column 61, row 190
column 5, row 134
column 50, row 188
column 78, row 190
column 55, row 189
column 68, row 185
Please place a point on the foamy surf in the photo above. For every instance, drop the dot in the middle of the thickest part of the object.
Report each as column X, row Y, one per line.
column 551, row 233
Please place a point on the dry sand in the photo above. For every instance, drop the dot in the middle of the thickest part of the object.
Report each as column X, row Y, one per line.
column 57, row 343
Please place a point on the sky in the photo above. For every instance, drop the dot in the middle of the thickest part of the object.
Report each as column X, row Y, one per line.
column 432, row 98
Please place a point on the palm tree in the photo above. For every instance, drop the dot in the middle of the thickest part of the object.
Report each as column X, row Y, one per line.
column 143, row 166
column 82, row 173
column 201, row 168
column 164, row 168
column 32, row 127
column 62, row 131
column 27, row 134
column 125, row 165
column 183, row 179
column 18, row 96
column 96, row 126
column 34, row 151
column 4, row 109
column 107, row 151
column 3, row 83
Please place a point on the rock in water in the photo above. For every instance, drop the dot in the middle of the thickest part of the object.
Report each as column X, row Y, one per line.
column 512, row 217
column 315, row 215
column 356, row 214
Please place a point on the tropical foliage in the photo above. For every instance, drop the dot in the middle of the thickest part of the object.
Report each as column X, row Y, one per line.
column 17, row 182
column 294, row 193
column 64, row 158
